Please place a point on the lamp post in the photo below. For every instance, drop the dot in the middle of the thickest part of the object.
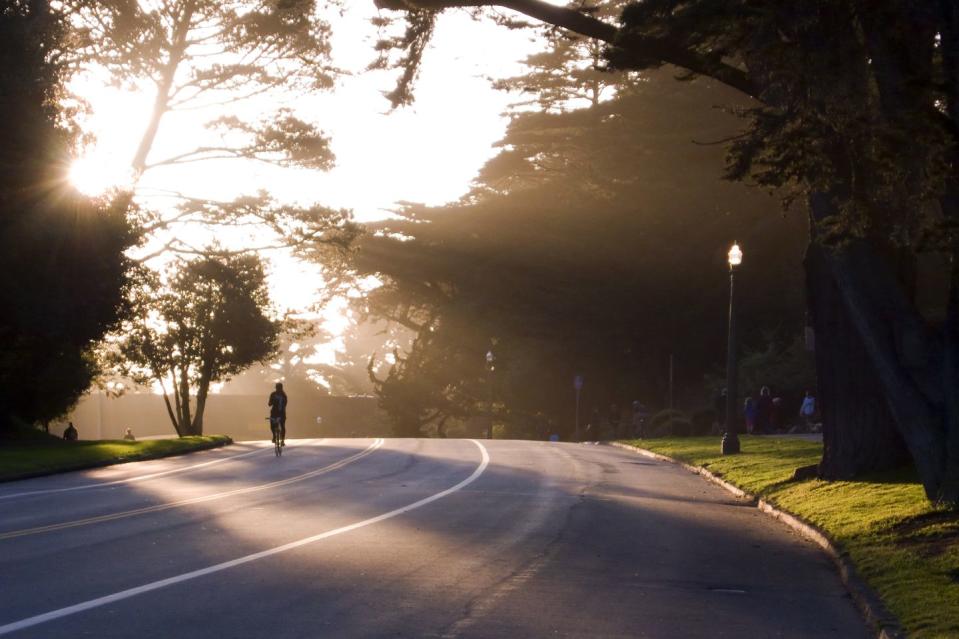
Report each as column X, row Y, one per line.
column 730, row 443
column 489, row 365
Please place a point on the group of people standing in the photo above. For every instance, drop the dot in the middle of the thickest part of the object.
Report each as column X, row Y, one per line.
column 764, row 416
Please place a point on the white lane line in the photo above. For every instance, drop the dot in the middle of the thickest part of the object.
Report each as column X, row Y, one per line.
column 129, row 480
column 23, row 532
column 156, row 585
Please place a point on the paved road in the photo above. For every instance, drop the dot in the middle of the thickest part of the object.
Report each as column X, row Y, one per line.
column 405, row 538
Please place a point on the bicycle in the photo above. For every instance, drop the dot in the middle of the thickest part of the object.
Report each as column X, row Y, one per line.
column 275, row 429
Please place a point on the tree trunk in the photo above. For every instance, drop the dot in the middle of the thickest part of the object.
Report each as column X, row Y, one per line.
column 950, row 489
column 859, row 433
column 178, row 406
column 201, row 395
column 186, row 421
column 903, row 355
column 949, row 33
column 161, row 103
column 169, row 410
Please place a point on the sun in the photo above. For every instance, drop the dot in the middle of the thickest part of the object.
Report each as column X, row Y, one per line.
column 95, row 175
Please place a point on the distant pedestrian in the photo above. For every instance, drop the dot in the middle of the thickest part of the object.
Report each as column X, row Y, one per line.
column 71, row 434
column 639, row 420
column 128, row 435
column 776, row 417
column 749, row 413
column 807, row 411
column 592, row 428
column 764, row 411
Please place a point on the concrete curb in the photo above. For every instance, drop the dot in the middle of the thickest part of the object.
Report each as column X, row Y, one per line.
column 116, row 460
column 870, row 605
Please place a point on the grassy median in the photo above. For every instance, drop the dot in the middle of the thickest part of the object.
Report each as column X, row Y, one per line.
column 21, row 459
column 906, row 549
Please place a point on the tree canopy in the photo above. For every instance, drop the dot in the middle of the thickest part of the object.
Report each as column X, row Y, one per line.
column 231, row 63
column 207, row 321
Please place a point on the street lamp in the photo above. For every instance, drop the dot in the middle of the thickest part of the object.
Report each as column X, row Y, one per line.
column 730, row 443
column 489, row 365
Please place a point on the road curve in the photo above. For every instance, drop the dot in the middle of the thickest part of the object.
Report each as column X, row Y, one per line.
column 406, row 538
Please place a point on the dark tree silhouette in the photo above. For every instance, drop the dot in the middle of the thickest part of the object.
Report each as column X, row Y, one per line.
column 62, row 269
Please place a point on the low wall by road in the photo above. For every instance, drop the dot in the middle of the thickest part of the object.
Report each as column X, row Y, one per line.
column 239, row 416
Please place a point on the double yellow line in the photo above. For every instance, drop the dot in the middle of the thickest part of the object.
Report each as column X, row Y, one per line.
column 194, row 500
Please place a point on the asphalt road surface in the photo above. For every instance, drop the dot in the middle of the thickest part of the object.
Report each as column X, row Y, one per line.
column 405, row 538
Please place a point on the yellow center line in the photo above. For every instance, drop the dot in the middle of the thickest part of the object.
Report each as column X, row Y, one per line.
column 193, row 500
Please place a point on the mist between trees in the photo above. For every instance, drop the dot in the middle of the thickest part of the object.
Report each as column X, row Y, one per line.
column 594, row 245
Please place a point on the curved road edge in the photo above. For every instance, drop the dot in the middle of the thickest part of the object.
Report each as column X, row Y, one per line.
column 871, row 607
column 169, row 581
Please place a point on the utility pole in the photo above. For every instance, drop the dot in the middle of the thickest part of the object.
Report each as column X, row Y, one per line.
column 670, row 381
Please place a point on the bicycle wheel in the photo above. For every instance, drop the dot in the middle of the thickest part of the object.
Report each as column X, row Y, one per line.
column 275, row 429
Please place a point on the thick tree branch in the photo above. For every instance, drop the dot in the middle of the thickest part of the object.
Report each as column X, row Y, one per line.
column 650, row 48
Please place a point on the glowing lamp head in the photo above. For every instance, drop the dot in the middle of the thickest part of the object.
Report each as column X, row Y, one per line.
column 735, row 256
column 489, row 357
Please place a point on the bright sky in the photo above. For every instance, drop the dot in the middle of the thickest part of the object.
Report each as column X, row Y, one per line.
column 425, row 153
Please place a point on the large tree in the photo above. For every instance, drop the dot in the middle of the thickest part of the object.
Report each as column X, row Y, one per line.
column 857, row 113
column 208, row 321
column 62, row 269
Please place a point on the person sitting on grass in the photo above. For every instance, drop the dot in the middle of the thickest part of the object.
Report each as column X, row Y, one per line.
column 71, row 434
column 128, row 435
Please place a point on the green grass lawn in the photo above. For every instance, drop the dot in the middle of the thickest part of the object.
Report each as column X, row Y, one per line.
column 46, row 455
column 905, row 548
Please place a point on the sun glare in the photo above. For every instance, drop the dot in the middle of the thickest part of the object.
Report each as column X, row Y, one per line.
column 94, row 176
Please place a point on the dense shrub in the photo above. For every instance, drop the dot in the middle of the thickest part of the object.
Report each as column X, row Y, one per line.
column 669, row 423
column 702, row 421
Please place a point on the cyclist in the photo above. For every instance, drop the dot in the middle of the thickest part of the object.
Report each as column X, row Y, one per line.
column 277, row 406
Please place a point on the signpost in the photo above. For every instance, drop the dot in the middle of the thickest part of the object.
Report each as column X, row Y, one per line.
column 578, row 385
column 490, row 359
